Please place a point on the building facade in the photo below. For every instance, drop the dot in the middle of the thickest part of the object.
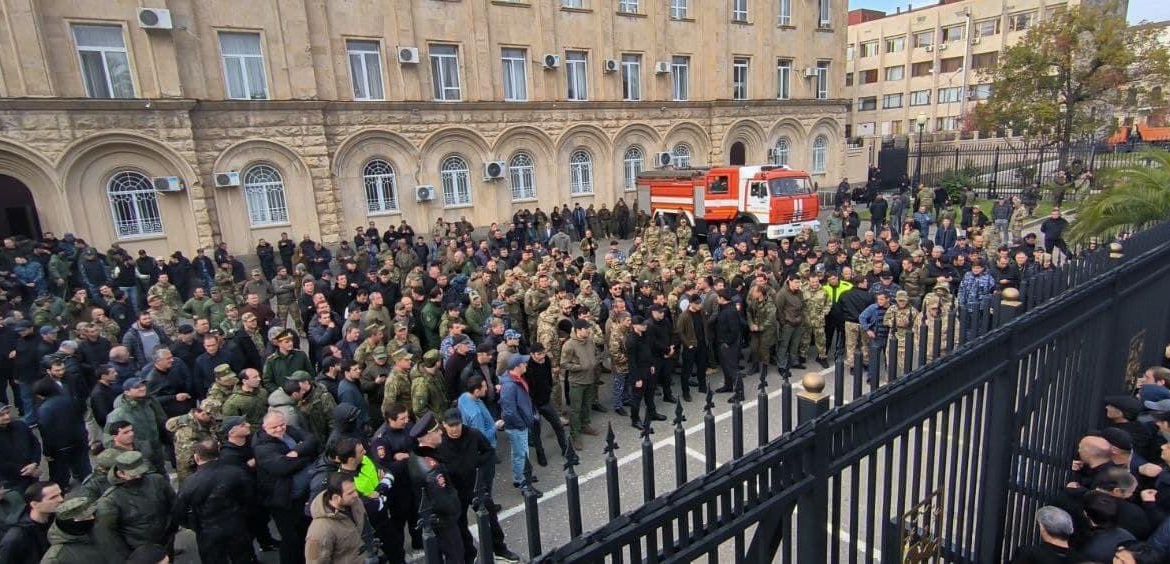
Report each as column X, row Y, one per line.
column 927, row 61
column 312, row 117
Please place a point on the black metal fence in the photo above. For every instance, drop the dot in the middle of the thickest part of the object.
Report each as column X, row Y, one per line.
column 996, row 169
column 967, row 429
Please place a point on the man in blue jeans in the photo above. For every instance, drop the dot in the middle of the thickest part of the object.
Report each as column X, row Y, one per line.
column 518, row 415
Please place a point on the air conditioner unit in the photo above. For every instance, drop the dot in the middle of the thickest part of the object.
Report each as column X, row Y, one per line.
column 155, row 18
column 662, row 67
column 227, row 179
column 424, row 193
column 494, row 170
column 552, row 61
column 810, row 72
column 610, row 65
column 168, row 184
column 408, row 55
column 664, row 159
column 942, row 46
column 975, row 41
column 929, row 48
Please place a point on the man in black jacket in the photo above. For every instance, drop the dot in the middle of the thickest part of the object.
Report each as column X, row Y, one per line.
column 472, row 460
column 391, row 449
column 661, row 350
column 20, row 451
column 642, row 380
column 283, row 457
column 851, row 304
column 540, row 386
column 440, row 502
column 28, row 539
column 236, row 450
column 729, row 331
column 212, row 503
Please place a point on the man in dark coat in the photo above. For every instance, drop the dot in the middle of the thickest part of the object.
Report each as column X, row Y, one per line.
column 66, row 439
column 212, row 503
column 27, row 540
column 170, row 384
column 729, row 326
column 20, row 451
column 283, row 457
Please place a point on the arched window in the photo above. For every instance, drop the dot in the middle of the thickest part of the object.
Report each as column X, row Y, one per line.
column 456, row 177
column 682, row 155
column 819, row 149
column 780, row 152
column 632, row 163
column 264, row 192
column 522, row 174
column 580, row 173
column 134, row 205
column 381, row 193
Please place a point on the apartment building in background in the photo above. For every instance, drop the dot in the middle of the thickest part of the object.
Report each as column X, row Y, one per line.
column 169, row 124
column 926, row 61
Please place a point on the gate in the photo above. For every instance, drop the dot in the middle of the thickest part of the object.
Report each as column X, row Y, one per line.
column 892, row 161
column 948, row 461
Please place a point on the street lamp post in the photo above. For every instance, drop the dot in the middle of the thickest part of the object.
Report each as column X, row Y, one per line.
column 921, row 122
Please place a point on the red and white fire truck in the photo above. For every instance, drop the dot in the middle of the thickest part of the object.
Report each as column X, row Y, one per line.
column 775, row 200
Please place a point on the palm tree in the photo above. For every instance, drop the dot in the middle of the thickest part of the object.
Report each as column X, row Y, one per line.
column 1134, row 196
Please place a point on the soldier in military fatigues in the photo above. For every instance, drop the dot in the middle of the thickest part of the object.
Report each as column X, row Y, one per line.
column 187, row 430
column 397, row 389
column 902, row 319
column 763, row 326
column 428, row 391
column 226, row 283
column 224, row 385
column 548, row 334
column 536, row 300
column 285, row 289
column 167, row 291
column 163, row 316
column 816, row 306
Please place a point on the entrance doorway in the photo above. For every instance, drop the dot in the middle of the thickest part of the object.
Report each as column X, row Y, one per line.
column 737, row 158
column 18, row 211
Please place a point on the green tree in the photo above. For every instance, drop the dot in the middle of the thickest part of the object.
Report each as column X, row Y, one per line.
column 1063, row 77
column 1132, row 197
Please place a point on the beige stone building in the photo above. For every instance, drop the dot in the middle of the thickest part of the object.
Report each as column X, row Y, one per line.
column 167, row 124
column 927, row 61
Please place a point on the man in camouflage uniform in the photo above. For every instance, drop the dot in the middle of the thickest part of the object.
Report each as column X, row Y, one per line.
column 428, row 391
column 197, row 306
column 373, row 382
column 397, row 389
column 217, row 308
column 226, row 283
column 589, row 299
column 548, row 334
column 285, row 289
column 816, row 306
column 762, row 324
column 316, row 406
column 375, row 334
column 619, row 359
column 224, row 385
column 187, row 430
column 536, row 300
column 404, row 339
column 258, row 285
column 164, row 317
column 167, row 291
column 902, row 319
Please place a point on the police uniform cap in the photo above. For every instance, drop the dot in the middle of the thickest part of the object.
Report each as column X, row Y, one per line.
column 76, row 509
column 132, row 383
column 424, row 425
column 300, row 376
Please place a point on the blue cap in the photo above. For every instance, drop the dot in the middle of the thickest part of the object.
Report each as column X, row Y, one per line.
column 511, row 334
column 132, row 383
column 516, row 360
column 46, row 330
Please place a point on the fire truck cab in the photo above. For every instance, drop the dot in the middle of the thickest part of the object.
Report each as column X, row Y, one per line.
column 775, row 200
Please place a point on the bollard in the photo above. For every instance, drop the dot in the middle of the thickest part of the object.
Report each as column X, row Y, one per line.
column 813, row 401
column 486, row 554
column 762, row 405
column 611, row 475
column 709, row 431
column 680, row 447
column 532, row 518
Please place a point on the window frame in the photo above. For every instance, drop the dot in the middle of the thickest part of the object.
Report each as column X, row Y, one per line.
column 784, row 79
column 509, row 79
column 821, row 144
column 824, row 14
column 870, row 48
column 680, row 76
column 887, row 98
column 782, row 147
column 632, row 166
column 867, row 103
column 680, row 155
column 900, row 72
column 382, row 186
column 740, row 78
column 103, row 52
column 976, row 28
column 895, row 41
column 631, row 69
column 918, row 36
column 947, row 98
column 142, row 202
column 580, row 173
column 577, row 75
column 364, row 57
column 522, row 177
column 822, row 80
column 243, row 59
column 785, row 13
column 919, row 93
column 457, row 179
column 1031, row 16
column 629, row 6
column 438, row 61
column 739, row 11
column 271, row 214
column 680, row 9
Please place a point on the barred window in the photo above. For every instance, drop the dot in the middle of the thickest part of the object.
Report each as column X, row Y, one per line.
column 580, row 173
column 134, row 205
column 819, row 150
column 264, row 193
column 456, row 177
column 682, row 155
column 522, row 174
column 381, row 192
column 780, row 152
column 632, row 163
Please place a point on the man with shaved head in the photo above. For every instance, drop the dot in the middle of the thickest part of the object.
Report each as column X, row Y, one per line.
column 1094, row 457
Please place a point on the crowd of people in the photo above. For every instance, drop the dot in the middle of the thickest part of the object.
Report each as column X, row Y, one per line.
column 1115, row 506
column 354, row 396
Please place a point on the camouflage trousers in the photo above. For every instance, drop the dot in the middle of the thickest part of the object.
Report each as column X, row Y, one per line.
column 282, row 315
column 855, row 339
column 558, row 394
column 761, row 343
column 813, row 337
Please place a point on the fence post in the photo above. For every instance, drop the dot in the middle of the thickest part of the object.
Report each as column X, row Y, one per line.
column 813, row 401
column 532, row 516
column 573, row 491
column 709, row 431
column 1010, row 307
column 762, row 406
column 993, row 185
column 813, row 505
column 680, row 446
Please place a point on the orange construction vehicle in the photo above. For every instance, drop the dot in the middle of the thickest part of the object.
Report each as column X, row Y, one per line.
column 775, row 200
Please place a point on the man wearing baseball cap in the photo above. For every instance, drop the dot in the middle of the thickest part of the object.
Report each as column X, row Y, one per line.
column 518, row 415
